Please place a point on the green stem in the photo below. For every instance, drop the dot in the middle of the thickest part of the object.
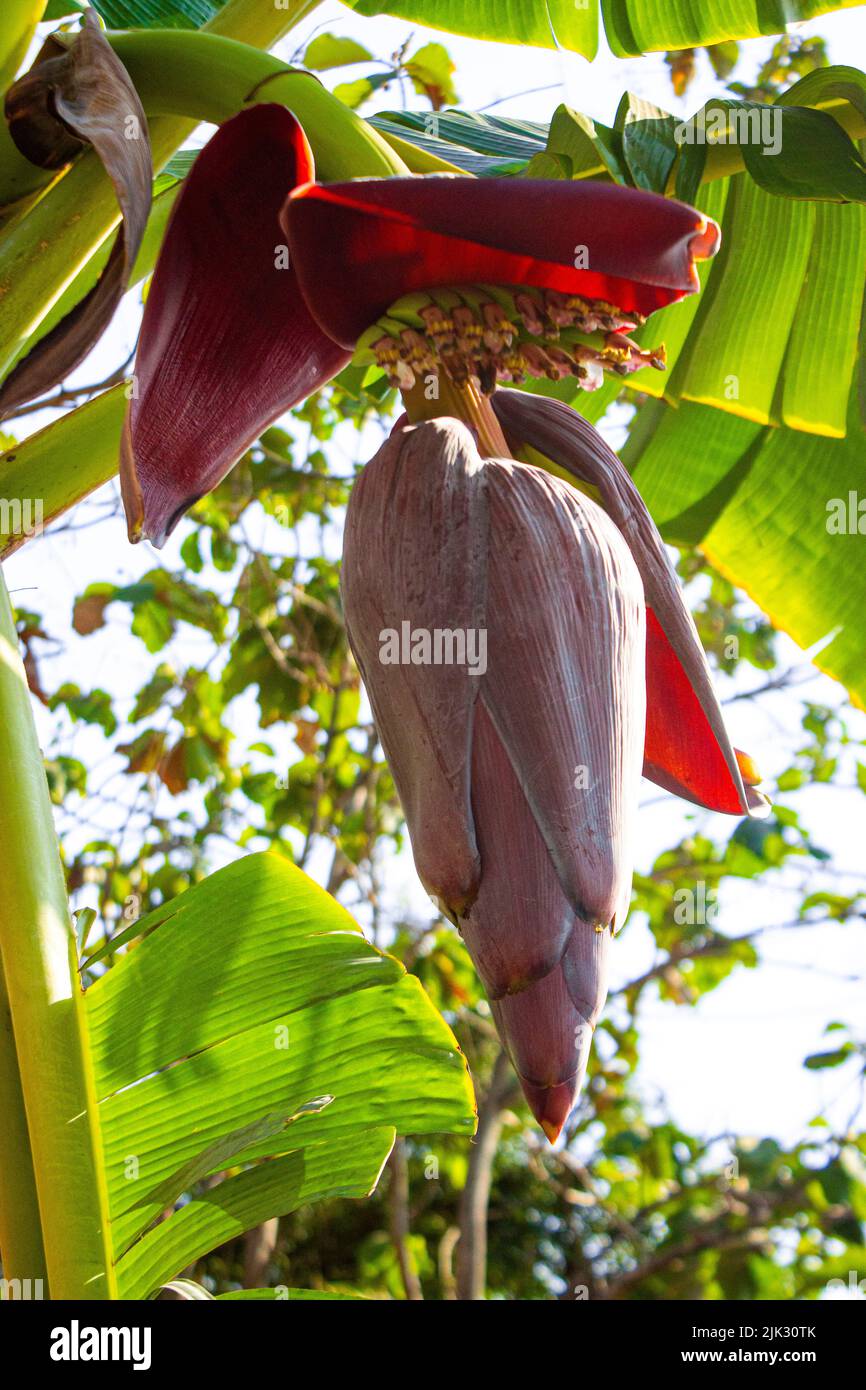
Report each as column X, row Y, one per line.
column 21, row 1248
column 20, row 18
column 39, row 960
column 211, row 78
column 464, row 403
column 60, row 465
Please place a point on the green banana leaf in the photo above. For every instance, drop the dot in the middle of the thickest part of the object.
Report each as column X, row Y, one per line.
column 142, row 14
column 249, row 1020
column 62, row 9
column 487, row 146
column 775, row 510
column 773, row 338
column 293, row 1296
column 17, row 27
column 156, row 14
column 632, row 27
column 761, row 458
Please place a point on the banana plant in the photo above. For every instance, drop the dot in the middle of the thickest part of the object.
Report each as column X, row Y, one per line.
column 242, row 1050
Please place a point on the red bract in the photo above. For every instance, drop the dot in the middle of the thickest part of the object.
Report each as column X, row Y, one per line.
column 227, row 342
column 232, row 335
column 361, row 246
column 687, row 747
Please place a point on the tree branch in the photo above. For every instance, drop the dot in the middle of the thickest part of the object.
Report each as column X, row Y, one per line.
column 474, row 1200
column 399, row 1201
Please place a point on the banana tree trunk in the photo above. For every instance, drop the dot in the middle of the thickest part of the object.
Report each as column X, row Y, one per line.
column 39, row 962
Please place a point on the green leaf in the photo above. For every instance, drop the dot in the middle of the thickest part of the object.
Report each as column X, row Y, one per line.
column 782, row 302
column 822, row 349
column 157, row 14
column 219, row 1155
column 18, row 25
column 648, row 141
column 190, row 553
column 820, row 1061
column 479, row 144
column 249, row 1019
column 348, row 1168
column 352, row 94
column 59, row 9
column 179, row 165
column 281, row 1295
column 633, row 27
column 645, row 26
column 790, row 150
column 781, row 305
column 189, row 1290
column 330, row 51
column 772, row 510
column 556, row 23
column 431, row 69
column 773, row 338
column 84, row 920
column 723, row 58
column 774, row 541
column 163, row 599
column 578, row 147
column 152, row 694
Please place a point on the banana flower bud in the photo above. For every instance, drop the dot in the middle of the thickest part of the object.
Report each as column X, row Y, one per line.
column 518, row 771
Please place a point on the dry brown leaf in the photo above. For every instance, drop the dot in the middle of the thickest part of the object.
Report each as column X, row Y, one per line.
column 89, row 613
column 172, row 769
column 73, row 97
column 145, row 753
column 306, row 731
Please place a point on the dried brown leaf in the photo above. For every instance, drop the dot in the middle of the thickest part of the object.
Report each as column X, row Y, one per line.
column 73, row 97
column 89, row 613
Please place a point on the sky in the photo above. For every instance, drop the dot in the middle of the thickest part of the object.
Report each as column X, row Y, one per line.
column 734, row 1065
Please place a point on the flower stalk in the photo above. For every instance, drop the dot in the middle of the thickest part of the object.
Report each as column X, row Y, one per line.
column 466, row 403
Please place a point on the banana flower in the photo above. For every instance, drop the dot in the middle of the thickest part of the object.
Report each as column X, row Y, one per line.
column 518, row 775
